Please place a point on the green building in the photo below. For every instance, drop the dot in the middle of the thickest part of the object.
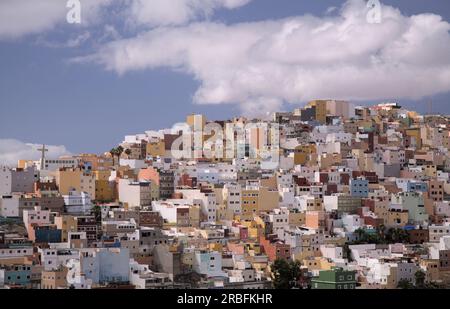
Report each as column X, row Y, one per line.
column 414, row 203
column 335, row 279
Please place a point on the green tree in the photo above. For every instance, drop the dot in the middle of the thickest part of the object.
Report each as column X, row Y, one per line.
column 404, row 284
column 381, row 232
column 120, row 150
column 281, row 274
column 362, row 235
column 285, row 275
column 420, row 279
column 404, row 236
column 97, row 212
column 394, row 235
column 113, row 153
column 347, row 252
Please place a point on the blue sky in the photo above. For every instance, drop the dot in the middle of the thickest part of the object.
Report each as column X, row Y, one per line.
column 88, row 107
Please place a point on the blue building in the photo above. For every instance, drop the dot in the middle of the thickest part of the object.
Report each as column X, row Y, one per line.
column 47, row 234
column 359, row 187
column 417, row 186
column 17, row 275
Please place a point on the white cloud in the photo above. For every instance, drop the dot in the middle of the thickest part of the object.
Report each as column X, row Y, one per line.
column 12, row 150
column 330, row 10
column 259, row 65
column 76, row 41
column 80, row 39
column 176, row 12
column 22, row 17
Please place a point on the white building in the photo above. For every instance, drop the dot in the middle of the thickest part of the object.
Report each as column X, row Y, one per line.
column 232, row 197
column 16, row 252
column 438, row 231
column 380, row 273
column 56, row 164
column 5, row 181
column 352, row 222
column 308, row 172
column 442, row 208
column 206, row 200
column 100, row 265
column 287, row 196
column 284, row 180
column 143, row 278
column 75, row 277
column 392, row 156
column 213, row 173
column 136, row 139
column 208, row 263
column 53, row 258
column 444, row 243
column 78, row 203
column 17, row 180
column 330, row 202
column 36, row 216
column 280, row 220
column 340, row 137
column 135, row 193
column 9, row 206
column 168, row 209
column 2, row 278
column 305, row 203
column 331, row 252
column 134, row 164
column 406, row 271
column 341, row 108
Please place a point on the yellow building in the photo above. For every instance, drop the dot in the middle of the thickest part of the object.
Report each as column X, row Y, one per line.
column 78, row 180
column 432, row 269
column 297, row 218
column 430, row 171
column 314, row 204
column 381, row 210
column 302, row 153
column 255, row 200
column 215, row 247
column 250, row 203
column 54, row 279
column 188, row 259
column 326, row 160
column 308, row 249
column 255, row 227
column 321, row 110
column 102, row 162
column 156, row 149
column 415, row 136
column 23, row 164
column 317, row 263
column 271, row 182
column 397, row 218
column 364, row 124
column 66, row 224
column 268, row 199
column 191, row 120
column 104, row 189
column 194, row 216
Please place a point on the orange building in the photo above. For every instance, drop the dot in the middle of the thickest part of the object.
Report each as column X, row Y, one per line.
column 315, row 219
